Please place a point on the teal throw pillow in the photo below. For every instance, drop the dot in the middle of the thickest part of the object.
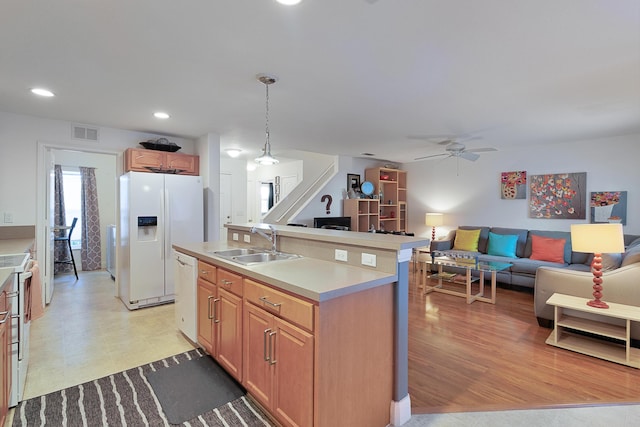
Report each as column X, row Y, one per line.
column 502, row 244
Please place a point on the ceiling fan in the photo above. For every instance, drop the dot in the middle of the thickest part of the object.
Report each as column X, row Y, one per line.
column 458, row 150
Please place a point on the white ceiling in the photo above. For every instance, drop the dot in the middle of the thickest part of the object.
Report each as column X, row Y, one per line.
column 388, row 77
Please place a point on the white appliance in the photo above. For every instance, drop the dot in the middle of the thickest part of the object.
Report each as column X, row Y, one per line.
column 186, row 276
column 156, row 211
column 20, row 321
column 111, row 250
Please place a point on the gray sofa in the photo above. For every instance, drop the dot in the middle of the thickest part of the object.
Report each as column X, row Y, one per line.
column 522, row 273
column 620, row 285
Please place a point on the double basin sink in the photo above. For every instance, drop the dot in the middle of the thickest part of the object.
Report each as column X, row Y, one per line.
column 249, row 256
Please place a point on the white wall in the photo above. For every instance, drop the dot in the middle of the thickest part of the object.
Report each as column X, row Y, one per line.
column 473, row 196
column 336, row 188
column 19, row 137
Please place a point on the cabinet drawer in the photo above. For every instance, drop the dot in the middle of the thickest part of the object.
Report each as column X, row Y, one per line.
column 207, row 272
column 230, row 281
column 285, row 306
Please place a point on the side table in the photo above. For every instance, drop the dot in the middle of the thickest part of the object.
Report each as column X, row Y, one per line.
column 618, row 351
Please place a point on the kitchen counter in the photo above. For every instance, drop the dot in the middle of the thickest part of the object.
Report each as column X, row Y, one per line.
column 312, row 278
column 15, row 246
column 360, row 312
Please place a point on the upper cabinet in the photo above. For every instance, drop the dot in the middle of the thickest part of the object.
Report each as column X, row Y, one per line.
column 143, row 160
column 391, row 187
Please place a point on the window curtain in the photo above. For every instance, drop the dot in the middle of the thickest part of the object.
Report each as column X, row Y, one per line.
column 61, row 249
column 91, row 252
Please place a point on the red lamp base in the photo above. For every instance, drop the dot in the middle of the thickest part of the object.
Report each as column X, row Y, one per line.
column 596, row 269
column 597, row 304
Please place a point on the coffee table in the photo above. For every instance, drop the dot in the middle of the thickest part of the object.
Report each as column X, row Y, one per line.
column 469, row 263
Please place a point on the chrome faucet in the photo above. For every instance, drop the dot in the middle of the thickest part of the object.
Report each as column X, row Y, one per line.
column 271, row 238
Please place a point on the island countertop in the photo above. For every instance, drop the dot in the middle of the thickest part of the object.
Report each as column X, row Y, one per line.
column 311, row 278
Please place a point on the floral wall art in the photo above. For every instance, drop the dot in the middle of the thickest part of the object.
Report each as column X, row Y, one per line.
column 513, row 185
column 609, row 206
column 558, row 196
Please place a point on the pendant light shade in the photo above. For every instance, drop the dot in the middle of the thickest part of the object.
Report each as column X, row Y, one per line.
column 266, row 158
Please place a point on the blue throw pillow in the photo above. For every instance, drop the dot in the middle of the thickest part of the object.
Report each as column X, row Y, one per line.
column 502, row 244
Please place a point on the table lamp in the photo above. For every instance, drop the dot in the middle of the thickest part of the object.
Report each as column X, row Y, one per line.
column 433, row 219
column 599, row 239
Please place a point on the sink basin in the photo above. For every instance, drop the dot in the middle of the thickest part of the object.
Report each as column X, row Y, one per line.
column 263, row 257
column 237, row 252
column 249, row 256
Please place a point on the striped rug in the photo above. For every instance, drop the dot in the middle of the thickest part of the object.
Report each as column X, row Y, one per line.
column 127, row 399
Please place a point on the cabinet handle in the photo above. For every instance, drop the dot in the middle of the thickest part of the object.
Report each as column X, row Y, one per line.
column 215, row 311
column 227, row 282
column 272, row 361
column 264, row 344
column 209, row 298
column 272, row 304
column 204, row 272
column 6, row 316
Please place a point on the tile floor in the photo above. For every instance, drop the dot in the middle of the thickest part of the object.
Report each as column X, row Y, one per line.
column 87, row 333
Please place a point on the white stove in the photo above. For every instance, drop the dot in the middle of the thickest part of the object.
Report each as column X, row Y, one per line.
column 20, row 321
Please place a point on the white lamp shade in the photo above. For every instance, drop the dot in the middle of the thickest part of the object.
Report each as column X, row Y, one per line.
column 433, row 219
column 597, row 238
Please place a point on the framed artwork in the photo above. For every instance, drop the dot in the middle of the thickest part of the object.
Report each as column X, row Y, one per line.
column 558, row 196
column 608, row 207
column 513, row 185
column 353, row 182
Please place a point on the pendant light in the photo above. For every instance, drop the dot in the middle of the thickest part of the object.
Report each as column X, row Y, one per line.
column 266, row 158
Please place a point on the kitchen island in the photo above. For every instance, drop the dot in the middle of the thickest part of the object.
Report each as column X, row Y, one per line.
column 314, row 340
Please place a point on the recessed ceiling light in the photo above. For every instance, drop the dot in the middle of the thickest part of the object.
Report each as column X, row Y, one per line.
column 42, row 92
column 289, row 2
column 233, row 152
column 161, row 115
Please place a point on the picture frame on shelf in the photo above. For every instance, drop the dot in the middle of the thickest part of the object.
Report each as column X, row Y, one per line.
column 353, row 182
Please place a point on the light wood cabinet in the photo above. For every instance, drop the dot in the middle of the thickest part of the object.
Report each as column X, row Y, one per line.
column 305, row 362
column 143, row 160
column 220, row 316
column 391, row 187
column 364, row 213
column 279, row 357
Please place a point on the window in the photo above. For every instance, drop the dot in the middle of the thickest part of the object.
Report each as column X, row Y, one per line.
column 72, row 185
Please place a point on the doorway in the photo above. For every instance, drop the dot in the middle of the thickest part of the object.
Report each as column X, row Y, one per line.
column 108, row 168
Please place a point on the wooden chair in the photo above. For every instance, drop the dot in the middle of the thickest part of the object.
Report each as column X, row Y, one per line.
column 67, row 238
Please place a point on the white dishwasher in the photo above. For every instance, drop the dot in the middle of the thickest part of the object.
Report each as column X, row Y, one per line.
column 186, row 279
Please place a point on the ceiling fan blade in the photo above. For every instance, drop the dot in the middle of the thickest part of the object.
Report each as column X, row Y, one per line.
column 481, row 150
column 468, row 155
column 432, row 156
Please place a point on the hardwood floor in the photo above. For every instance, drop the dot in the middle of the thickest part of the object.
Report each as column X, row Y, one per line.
column 484, row 357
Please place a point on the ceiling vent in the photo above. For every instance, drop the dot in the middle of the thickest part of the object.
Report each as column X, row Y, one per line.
column 84, row 132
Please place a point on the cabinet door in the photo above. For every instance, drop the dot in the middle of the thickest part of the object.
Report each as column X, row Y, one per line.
column 206, row 296
column 189, row 165
column 257, row 375
column 228, row 332
column 292, row 359
column 141, row 160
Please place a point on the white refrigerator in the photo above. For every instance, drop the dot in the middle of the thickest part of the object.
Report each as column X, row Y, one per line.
column 156, row 211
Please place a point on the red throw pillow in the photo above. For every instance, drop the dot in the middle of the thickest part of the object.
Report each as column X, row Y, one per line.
column 547, row 249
